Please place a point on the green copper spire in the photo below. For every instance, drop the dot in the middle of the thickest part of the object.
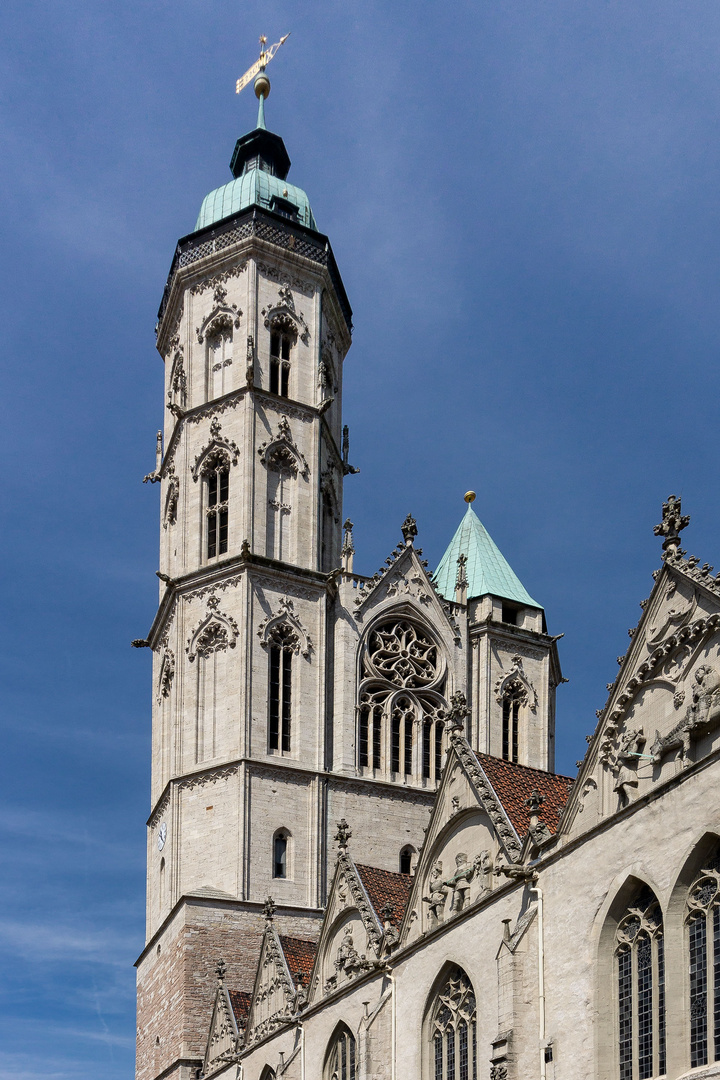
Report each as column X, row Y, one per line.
column 487, row 569
column 261, row 112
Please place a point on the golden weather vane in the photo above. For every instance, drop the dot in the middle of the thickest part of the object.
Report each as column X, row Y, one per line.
column 266, row 56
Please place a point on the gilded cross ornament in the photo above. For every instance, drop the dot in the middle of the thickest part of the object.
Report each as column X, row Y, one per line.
column 343, row 834
column 673, row 522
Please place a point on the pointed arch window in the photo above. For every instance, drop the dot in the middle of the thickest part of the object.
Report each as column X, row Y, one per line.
column 407, row 859
column 282, row 644
column 216, row 473
column 452, row 1031
column 280, row 349
column 512, row 700
column 401, row 703
column 219, row 359
column 640, row 989
column 342, row 1056
column 281, row 853
column 703, row 944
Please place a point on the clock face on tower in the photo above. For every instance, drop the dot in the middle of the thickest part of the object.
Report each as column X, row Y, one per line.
column 162, row 836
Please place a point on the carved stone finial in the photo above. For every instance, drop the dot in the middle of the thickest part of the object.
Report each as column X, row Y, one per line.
column 343, row 834
column 348, row 549
column 387, row 911
column 220, row 970
column 245, row 549
column 535, row 802
column 456, row 714
column 269, row 910
column 461, row 582
column 673, row 522
column 409, row 529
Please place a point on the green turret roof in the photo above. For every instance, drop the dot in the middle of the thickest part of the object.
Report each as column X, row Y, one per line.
column 260, row 164
column 487, row 569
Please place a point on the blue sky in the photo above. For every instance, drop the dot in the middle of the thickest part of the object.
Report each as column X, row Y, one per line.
column 523, row 201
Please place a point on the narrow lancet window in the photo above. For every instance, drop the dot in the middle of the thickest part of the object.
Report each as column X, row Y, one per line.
column 280, row 696
column 280, row 345
column 217, row 486
column 511, row 729
column 280, row 850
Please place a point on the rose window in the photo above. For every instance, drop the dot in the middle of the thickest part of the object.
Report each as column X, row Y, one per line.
column 403, row 654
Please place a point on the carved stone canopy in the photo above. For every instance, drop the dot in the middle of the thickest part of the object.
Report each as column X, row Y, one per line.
column 515, row 684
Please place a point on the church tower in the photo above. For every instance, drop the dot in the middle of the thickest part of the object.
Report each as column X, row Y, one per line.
column 289, row 692
column 248, row 770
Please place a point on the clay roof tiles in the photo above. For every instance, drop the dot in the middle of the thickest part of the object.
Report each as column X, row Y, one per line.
column 240, row 1002
column 513, row 784
column 300, row 955
column 384, row 886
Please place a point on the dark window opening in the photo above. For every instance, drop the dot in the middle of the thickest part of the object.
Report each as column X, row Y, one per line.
column 511, row 614
column 408, row 743
column 510, row 729
column 406, row 860
column 284, row 207
column 363, row 740
column 280, row 856
column 438, row 750
column 280, row 702
column 395, row 744
column 218, row 490
column 427, row 736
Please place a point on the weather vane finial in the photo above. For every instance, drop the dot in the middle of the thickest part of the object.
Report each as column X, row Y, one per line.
column 262, row 83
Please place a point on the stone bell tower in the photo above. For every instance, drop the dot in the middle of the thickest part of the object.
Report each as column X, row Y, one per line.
column 253, row 329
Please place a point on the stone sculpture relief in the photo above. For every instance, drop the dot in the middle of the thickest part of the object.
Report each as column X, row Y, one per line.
column 702, row 715
column 457, row 886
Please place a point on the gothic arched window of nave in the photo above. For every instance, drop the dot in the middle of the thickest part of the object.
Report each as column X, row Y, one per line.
column 640, row 988
column 702, row 930
column 403, row 672
column 450, row 1031
column 341, row 1057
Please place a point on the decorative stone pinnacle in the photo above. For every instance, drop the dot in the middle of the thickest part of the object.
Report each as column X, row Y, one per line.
column 409, row 530
column 535, row 802
column 461, row 574
column 269, row 909
column 387, row 911
column 348, row 548
column 672, row 524
column 343, row 834
column 455, row 716
column 220, row 969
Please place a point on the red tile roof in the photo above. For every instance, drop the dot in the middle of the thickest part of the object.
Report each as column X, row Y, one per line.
column 383, row 886
column 300, row 955
column 240, row 1002
column 513, row 784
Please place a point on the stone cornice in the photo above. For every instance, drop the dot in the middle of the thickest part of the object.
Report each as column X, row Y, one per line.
column 219, row 573
column 275, row 764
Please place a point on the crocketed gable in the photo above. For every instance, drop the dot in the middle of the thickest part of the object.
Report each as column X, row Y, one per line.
column 513, row 785
column 299, row 956
column 383, row 887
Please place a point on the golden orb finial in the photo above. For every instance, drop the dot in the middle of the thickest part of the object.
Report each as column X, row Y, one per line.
column 469, row 496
